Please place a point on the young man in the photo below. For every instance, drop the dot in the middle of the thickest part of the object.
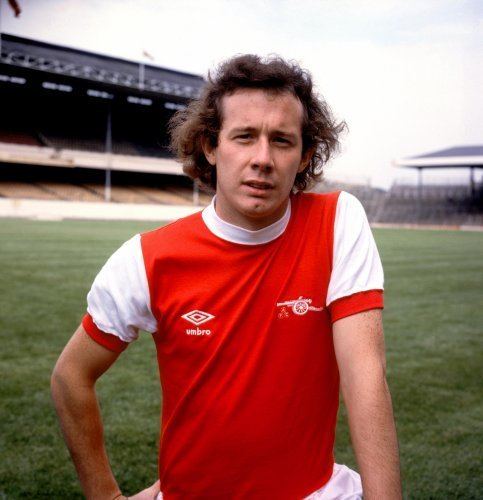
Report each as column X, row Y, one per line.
column 259, row 306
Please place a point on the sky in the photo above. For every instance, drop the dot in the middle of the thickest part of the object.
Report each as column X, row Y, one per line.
column 405, row 75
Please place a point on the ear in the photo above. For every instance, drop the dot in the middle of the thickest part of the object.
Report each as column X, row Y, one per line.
column 306, row 157
column 209, row 151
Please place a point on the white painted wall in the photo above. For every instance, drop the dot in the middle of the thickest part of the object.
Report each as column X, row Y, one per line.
column 58, row 210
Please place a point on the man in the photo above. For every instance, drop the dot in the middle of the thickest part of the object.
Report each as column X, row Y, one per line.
column 258, row 305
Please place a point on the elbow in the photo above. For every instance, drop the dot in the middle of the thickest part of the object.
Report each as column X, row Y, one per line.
column 68, row 379
column 56, row 375
column 377, row 375
column 63, row 380
column 58, row 382
column 380, row 370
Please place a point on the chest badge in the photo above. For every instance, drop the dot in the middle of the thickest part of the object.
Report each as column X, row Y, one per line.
column 197, row 318
column 298, row 307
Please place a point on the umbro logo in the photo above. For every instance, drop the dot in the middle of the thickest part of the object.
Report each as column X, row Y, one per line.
column 197, row 318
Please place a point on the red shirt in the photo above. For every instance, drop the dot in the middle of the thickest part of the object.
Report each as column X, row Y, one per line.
column 247, row 365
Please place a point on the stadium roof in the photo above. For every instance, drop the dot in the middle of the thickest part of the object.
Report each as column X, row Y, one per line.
column 455, row 157
column 45, row 57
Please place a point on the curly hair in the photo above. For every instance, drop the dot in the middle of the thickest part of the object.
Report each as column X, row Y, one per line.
column 201, row 120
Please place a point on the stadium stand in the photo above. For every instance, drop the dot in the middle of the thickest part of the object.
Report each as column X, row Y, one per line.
column 84, row 184
column 28, row 190
column 443, row 205
column 86, row 115
column 371, row 198
column 19, row 137
column 69, row 118
column 73, row 192
column 454, row 205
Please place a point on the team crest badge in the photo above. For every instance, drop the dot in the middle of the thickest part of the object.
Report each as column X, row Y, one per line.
column 299, row 307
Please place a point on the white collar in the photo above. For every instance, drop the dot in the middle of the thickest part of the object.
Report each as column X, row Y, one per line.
column 236, row 234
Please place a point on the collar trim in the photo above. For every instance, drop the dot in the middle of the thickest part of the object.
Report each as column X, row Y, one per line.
column 236, row 234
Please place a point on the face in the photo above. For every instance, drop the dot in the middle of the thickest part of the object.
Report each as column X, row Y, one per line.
column 258, row 155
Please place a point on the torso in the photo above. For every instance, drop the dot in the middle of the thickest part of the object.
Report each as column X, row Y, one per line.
column 246, row 358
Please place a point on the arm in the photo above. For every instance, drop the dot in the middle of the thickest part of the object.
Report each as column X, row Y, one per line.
column 359, row 348
column 79, row 366
column 118, row 307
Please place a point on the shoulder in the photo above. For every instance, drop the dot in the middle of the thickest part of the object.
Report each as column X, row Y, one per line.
column 303, row 198
column 356, row 263
column 308, row 205
column 340, row 197
column 172, row 240
column 118, row 302
column 176, row 228
column 345, row 207
column 350, row 218
column 129, row 251
column 348, row 203
column 342, row 200
column 340, row 206
column 123, row 267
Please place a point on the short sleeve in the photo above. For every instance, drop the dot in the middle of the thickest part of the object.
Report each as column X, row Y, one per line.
column 118, row 303
column 357, row 278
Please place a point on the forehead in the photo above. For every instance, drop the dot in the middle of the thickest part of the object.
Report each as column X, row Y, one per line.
column 259, row 107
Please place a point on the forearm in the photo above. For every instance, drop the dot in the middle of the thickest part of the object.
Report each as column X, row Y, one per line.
column 81, row 423
column 374, row 439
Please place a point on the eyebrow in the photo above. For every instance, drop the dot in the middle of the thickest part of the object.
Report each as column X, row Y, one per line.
column 238, row 130
column 288, row 135
column 241, row 130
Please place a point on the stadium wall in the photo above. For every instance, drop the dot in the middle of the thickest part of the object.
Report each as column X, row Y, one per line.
column 71, row 210
column 434, row 227
column 58, row 210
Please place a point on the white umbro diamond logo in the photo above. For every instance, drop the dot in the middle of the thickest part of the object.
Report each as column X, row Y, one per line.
column 197, row 317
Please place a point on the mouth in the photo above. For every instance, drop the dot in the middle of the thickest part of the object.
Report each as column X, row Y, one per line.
column 257, row 185
column 257, row 188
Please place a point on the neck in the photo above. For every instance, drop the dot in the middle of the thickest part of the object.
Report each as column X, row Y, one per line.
column 229, row 231
column 250, row 223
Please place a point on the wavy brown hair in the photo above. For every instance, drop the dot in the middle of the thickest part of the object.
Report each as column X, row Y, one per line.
column 201, row 120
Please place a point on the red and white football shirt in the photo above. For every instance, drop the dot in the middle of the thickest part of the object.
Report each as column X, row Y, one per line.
column 242, row 322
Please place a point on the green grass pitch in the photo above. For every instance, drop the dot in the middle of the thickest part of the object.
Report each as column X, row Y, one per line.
column 433, row 325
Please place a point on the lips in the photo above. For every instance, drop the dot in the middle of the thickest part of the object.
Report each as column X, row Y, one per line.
column 260, row 185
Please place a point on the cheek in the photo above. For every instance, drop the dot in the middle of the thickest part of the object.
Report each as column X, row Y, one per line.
column 224, row 157
column 225, row 174
column 231, row 161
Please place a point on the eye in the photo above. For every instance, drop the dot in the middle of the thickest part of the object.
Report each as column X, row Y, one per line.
column 281, row 140
column 243, row 137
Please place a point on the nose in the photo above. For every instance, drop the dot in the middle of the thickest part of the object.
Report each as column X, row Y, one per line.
column 262, row 155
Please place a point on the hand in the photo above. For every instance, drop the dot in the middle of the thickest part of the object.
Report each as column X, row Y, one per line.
column 148, row 494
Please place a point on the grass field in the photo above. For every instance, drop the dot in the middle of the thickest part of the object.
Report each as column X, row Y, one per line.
column 433, row 324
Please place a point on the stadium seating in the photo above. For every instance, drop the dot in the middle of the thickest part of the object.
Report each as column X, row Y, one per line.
column 436, row 205
column 447, row 204
column 19, row 137
column 71, row 192
column 430, row 205
column 169, row 195
column 25, row 190
column 69, row 138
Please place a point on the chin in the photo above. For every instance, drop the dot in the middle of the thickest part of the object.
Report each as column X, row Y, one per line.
column 259, row 207
column 264, row 213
